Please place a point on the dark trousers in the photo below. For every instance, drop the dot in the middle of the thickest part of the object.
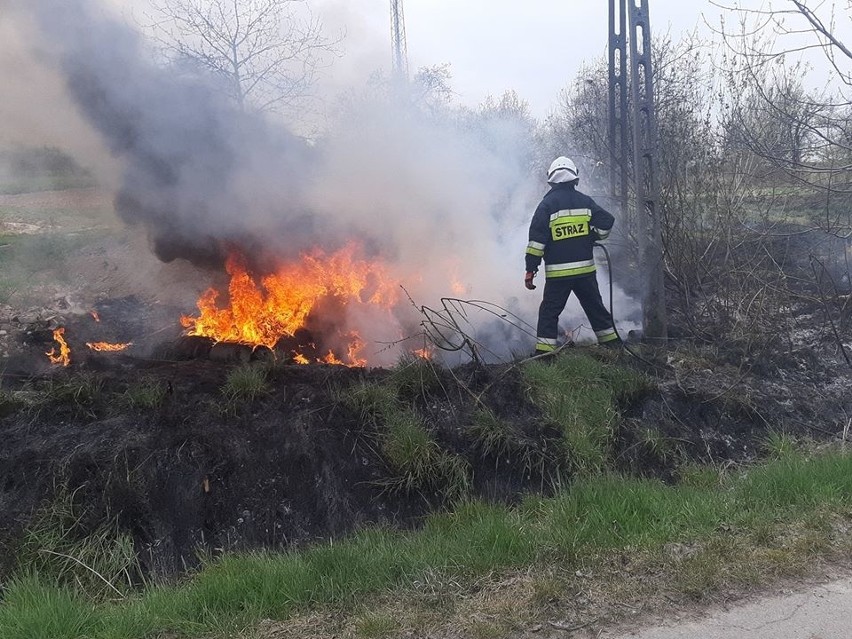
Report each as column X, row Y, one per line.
column 556, row 293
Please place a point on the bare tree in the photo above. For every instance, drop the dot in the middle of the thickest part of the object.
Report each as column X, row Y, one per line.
column 266, row 53
column 800, row 138
column 803, row 135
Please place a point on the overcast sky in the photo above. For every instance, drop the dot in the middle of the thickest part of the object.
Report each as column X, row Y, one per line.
column 534, row 47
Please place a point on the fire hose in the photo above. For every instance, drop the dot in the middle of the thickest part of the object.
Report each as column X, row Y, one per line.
column 612, row 309
column 609, row 273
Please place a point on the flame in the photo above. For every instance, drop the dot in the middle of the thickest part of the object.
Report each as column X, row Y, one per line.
column 356, row 345
column 64, row 355
column 95, row 316
column 331, row 359
column 301, row 359
column 263, row 310
column 456, row 285
column 423, row 353
column 106, row 347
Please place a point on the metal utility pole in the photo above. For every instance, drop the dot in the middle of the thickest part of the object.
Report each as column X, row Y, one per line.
column 641, row 115
column 398, row 42
column 618, row 130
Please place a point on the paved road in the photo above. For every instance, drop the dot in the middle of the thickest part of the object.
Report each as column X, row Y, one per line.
column 817, row 612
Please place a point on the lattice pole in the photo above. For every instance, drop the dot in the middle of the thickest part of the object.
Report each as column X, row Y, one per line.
column 619, row 143
column 398, row 41
column 643, row 119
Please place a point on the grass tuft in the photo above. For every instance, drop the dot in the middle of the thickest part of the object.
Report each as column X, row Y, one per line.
column 494, row 436
column 579, row 395
column 779, row 445
column 415, row 377
column 98, row 564
column 419, row 462
column 35, row 608
column 657, row 443
column 501, row 439
column 372, row 402
column 374, row 625
column 146, row 395
column 246, row 383
column 82, row 393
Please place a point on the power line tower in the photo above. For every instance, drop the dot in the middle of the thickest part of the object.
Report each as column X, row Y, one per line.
column 637, row 116
column 398, row 42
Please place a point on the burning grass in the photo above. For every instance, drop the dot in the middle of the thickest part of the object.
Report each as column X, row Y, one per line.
column 61, row 353
column 261, row 311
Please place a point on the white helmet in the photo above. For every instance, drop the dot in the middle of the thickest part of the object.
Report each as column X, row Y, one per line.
column 562, row 170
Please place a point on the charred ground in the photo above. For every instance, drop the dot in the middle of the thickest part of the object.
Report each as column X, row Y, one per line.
column 196, row 456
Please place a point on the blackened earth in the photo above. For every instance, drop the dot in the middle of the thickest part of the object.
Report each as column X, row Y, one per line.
column 199, row 472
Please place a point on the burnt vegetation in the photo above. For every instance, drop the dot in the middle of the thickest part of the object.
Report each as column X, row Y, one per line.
column 194, row 458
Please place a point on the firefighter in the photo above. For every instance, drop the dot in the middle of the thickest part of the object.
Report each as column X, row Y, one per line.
column 563, row 231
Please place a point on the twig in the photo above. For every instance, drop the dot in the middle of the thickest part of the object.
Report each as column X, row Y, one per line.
column 561, row 626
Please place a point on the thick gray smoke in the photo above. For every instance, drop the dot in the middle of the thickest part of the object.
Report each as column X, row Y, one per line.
column 198, row 174
column 445, row 207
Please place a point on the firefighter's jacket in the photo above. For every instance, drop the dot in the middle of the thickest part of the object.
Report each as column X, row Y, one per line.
column 563, row 231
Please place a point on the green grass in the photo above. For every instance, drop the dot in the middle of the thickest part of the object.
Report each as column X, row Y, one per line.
column 246, row 383
column 35, row 610
column 83, row 393
column 371, row 625
column 373, row 402
column 579, row 395
column 415, row 377
column 98, row 564
column 145, row 395
column 778, row 445
column 657, row 443
column 502, row 440
column 417, row 461
column 594, row 517
column 494, row 436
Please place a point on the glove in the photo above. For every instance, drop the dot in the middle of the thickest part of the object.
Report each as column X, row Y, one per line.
column 528, row 280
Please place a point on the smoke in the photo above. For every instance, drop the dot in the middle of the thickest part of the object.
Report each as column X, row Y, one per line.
column 35, row 110
column 444, row 200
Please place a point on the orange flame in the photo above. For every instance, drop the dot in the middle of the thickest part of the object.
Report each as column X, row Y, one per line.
column 423, row 353
column 330, row 359
column 64, row 355
column 106, row 347
column 262, row 312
